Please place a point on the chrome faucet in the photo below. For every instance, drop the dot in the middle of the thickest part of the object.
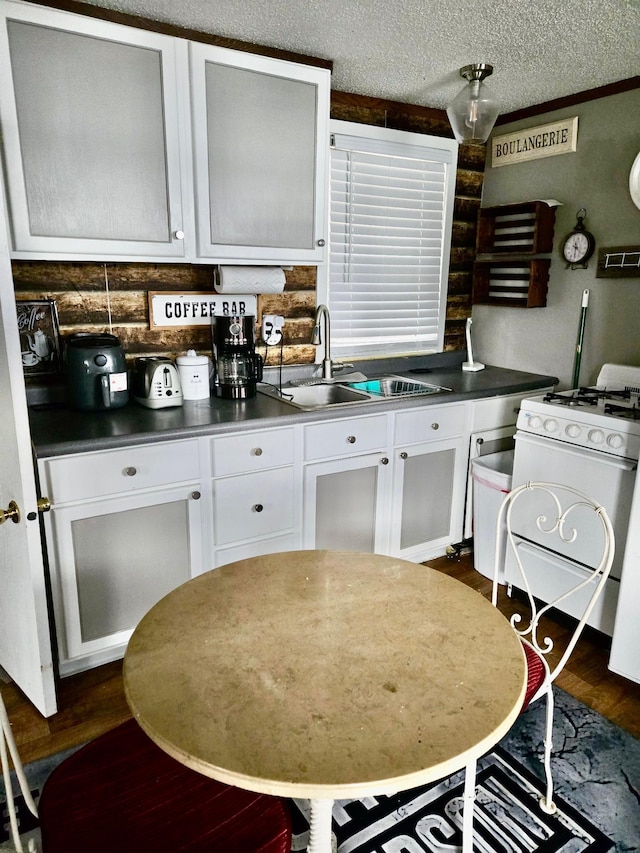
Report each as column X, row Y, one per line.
column 325, row 338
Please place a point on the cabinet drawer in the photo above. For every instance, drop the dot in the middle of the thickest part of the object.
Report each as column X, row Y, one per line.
column 499, row 411
column 92, row 475
column 344, row 437
column 431, row 422
column 253, row 451
column 252, row 505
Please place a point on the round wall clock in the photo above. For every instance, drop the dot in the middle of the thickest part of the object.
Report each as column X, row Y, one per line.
column 578, row 246
column 634, row 182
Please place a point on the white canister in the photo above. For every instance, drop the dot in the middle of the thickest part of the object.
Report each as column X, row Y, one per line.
column 194, row 373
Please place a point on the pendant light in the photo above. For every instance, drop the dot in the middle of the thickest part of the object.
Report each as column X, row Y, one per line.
column 473, row 112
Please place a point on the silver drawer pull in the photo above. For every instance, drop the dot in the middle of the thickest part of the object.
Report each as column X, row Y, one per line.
column 195, row 496
column 131, row 471
column 435, row 426
column 384, row 461
column 258, row 508
column 351, row 439
column 404, row 455
column 257, row 451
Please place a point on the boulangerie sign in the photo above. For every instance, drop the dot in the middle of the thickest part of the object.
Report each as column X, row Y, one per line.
column 547, row 140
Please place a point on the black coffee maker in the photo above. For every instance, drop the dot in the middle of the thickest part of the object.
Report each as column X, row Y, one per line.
column 237, row 365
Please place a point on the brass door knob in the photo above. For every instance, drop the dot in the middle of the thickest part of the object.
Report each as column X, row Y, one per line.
column 12, row 513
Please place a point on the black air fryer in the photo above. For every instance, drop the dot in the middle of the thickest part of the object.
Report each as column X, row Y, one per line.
column 95, row 372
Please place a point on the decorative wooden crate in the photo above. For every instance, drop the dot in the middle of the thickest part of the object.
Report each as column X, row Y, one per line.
column 517, row 283
column 525, row 228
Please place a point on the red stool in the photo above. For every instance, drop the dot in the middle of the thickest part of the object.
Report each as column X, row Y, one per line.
column 123, row 793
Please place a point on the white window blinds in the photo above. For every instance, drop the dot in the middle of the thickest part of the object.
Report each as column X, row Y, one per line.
column 390, row 231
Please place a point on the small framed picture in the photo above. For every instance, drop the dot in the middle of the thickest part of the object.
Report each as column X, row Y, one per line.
column 39, row 336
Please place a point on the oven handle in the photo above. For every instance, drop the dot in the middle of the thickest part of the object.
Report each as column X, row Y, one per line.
column 618, row 462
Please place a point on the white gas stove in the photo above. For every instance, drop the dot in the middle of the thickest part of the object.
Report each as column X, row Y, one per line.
column 603, row 418
column 587, row 438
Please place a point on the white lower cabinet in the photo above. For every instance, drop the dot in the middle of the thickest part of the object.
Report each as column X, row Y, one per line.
column 114, row 553
column 129, row 525
column 429, row 463
column 405, row 499
column 254, row 489
column 344, row 502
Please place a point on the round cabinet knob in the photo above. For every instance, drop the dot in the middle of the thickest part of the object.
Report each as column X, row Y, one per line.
column 404, row 455
column 615, row 441
column 351, row 439
column 479, row 441
column 257, row 451
column 258, row 508
column 195, row 496
column 384, row 461
column 131, row 472
column 435, row 426
column 179, row 235
column 321, row 242
column 573, row 430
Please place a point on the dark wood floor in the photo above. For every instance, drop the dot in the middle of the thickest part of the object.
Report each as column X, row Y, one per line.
column 93, row 702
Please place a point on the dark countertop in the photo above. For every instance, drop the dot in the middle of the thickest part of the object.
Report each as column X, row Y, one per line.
column 57, row 430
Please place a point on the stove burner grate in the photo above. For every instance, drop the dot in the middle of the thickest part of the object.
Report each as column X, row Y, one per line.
column 584, row 396
column 631, row 413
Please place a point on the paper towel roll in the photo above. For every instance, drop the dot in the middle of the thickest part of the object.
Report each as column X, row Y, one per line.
column 249, row 280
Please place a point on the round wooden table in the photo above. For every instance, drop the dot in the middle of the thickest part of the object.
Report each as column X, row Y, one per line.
column 325, row 675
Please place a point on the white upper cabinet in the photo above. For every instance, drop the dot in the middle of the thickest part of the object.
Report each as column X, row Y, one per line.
column 90, row 127
column 118, row 144
column 260, row 129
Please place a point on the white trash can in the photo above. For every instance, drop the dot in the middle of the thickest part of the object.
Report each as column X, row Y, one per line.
column 492, row 476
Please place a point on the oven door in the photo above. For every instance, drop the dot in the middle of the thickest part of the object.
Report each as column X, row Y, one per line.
column 607, row 479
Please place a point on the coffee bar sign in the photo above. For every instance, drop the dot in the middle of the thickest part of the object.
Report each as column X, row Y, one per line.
column 168, row 310
column 559, row 137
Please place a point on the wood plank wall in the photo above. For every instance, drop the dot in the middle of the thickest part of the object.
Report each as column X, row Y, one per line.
column 113, row 296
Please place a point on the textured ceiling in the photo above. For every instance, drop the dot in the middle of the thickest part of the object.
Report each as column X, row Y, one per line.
column 411, row 50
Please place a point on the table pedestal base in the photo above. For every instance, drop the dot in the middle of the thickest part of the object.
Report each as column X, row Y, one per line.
column 320, row 835
column 321, row 838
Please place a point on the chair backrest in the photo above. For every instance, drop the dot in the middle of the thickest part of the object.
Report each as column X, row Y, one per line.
column 578, row 532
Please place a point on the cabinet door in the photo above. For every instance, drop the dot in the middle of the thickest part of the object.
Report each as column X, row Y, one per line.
column 344, row 504
column 111, row 561
column 428, row 496
column 260, row 143
column 91, row 134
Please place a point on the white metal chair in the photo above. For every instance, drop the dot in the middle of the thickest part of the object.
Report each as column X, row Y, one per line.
column 8, row 748
column 561, row 515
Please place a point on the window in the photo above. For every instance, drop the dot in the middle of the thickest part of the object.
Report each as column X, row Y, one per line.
column 391, row 212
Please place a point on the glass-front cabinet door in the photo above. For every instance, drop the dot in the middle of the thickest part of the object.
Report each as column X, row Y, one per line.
column 260, row 129
column 112, row 560
column 344, row 504
column 428, row 498
column 90, row 125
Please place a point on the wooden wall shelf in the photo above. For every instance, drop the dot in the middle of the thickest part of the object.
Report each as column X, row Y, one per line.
column 516, row 229
column 516, row 283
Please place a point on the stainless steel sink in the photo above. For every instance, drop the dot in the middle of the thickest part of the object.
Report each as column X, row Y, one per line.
column 308, row 397
column 321, row 395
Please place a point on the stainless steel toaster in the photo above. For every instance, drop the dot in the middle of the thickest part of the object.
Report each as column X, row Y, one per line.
column 156, row 382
